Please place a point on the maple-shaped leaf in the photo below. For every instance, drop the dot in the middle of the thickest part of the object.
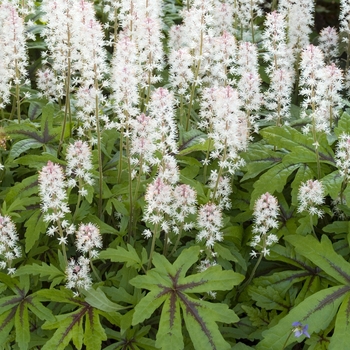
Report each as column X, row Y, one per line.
column 169, row 285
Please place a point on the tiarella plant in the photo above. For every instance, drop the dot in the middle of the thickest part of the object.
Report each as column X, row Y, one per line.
column 174, row 174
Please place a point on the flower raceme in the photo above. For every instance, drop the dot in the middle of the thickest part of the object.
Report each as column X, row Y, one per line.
column 265, row 214
column 87, row 238
column 311, row 196
column 79, row 163
column 342, row 156
column 9, row 250
column 13, row 55
column 52, row 191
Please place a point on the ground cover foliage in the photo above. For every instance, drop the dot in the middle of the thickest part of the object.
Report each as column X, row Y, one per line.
column 174, row 174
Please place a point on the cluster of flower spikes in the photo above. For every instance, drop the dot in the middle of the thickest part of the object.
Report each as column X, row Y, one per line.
column 53, row 194
column 266, row 211
column 168, row 204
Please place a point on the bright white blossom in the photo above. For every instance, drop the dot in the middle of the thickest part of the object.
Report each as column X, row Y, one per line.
column 88, row 238
column 342, row 156
column 229, row 129
column 79, row 163
column 210, row 223
column 184, row 202
column 125, row 79
column 280, row 67
column 300, row 15
column 266, row 211
column 328, row 43
column 222, row 188
column 52, row 191
column 311, row 197
column 13, row 53
column 9, row 249
column 78, row 275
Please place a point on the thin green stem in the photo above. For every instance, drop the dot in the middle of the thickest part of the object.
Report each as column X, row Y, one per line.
column 60, row 232
column 177, row 241
column 94, row 271
column 194, row 84
column 285, row 343
column 252, row 20
column 154, row 238
column 78, row 200
column 99, row 146
column 127, row 144
column 67, row 107
column 248, row 281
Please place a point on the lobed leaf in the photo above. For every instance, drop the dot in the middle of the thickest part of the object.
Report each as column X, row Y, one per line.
column 322, row 255
column 317, row 311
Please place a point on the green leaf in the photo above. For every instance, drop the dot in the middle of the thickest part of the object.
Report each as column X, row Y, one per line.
column 22, row 146
column 7, row 320
column 286, row 137
column 317, row 311
column 279, row 174
column 78, row 335
column 170, row 328
column 43, row 270
column 120, row 254
column 98, row 299
column 22, row 326
column 258, row 159
column 337, row 227
column 340, row 338
column 212, row 278
column 343, row 124
column 300, row 154
column 332, row 184
column 35, row 226
column 94, row 332
column 64, row 333
column 322, row 255
column 169, row 285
